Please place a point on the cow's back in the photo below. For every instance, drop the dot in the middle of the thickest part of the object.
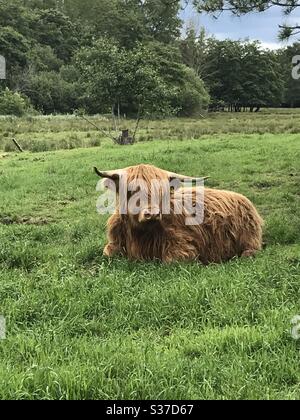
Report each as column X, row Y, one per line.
column 231, row 225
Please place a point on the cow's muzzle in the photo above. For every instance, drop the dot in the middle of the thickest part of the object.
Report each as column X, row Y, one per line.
column 149, row 215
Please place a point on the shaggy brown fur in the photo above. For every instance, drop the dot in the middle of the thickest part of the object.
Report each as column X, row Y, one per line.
column 231, row 227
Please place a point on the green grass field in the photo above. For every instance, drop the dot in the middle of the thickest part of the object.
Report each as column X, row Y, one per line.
column 82, row 327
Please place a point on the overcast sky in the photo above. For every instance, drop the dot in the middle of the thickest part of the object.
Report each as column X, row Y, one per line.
column 255, row 26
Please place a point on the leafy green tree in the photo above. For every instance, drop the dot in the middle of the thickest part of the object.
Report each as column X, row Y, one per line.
column 14, row 47
column 115, row 78
column 127, row 55
column 43, row 58
column 30, row 38
column 149, row 80
column 128, row 21
column 150, row 77
column 291, row 94
column 262, row 78
column 193, row 95
column 101, row 74
column 161, row 19
column 14, row 14
column 50, row 93
column 242, row 74
column 194, row 50
column 56, row 30
column 187, row 93
column 224, row 71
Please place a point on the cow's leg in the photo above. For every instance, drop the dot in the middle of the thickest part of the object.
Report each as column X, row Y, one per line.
column 251, row 241
column 251, row 246
column 248, row 253
column 115, row 236
column 111, row 250
column 168, row 259
column 180, row 252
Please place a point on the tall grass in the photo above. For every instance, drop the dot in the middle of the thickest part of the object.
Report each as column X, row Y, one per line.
column 38, row 134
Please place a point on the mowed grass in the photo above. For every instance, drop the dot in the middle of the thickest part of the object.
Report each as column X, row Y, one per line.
column 82, row 327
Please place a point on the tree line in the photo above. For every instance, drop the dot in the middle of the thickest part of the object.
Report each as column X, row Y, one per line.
column 129, row 57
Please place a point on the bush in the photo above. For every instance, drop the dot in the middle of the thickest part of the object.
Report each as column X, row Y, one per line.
column 50, row 93
column 193, row 97
column 12, row 103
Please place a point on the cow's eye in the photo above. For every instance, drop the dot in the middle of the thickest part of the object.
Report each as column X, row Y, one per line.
column 131, row 193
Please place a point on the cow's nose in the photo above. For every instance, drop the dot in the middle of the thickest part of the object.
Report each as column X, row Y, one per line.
column 147, row 215
column 156, row 213
column 153, row 214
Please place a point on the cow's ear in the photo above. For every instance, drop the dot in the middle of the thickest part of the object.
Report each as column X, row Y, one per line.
column 109, row 184
column 113, row 175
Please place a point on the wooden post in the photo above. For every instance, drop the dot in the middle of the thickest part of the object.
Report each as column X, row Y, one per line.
column 17, row 145
column 124, row 138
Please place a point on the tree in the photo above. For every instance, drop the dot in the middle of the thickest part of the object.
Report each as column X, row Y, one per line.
column 128, row 56
column 152, row 79
column 50, row 93
column 262, row 77
column 193, row 95
column 187, row 94
column 148, row 80
column 14, row 15
column 43, row 58
column 240, row 7
column 194, row 49
column 291, row 93
column 56, row 30
column 14, row 47
column 195, row 53
column 242, row 74
column 128, row 21
column 162, row 21
column 115, row 78
column 101, row 74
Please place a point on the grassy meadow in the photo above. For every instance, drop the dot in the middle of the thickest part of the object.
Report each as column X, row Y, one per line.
column 80, row 326
column 40, row 134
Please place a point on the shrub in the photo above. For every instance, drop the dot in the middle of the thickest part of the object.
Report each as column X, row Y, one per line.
column 193, row 97
column 12, row 103
column 50, row 93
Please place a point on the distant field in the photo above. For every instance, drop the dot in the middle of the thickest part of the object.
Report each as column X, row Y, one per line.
column 38, row 134
column 80, row 326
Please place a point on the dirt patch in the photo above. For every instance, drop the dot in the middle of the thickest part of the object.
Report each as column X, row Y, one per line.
column 26, row 220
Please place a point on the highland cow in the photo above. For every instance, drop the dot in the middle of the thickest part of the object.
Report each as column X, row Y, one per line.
column 230, row 226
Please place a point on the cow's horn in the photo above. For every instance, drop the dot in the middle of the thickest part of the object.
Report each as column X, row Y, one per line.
column 114, row 175
column 173, row 175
